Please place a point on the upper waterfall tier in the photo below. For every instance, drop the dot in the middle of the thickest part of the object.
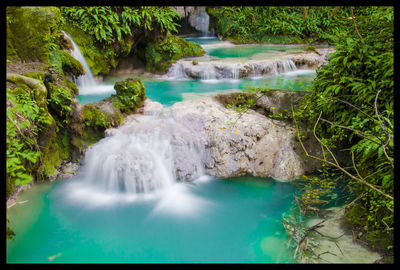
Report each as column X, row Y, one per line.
column 88, row 79
column 87, row 83
column 206, row 68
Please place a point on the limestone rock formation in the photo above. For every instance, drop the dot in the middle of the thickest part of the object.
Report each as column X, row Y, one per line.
column 229, row 145
column 235, row 146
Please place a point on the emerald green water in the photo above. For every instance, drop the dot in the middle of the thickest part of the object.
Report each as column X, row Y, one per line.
column 209, row 220
column 203, row 40
column 213, row 220
column 167, row 92
column 251, row 50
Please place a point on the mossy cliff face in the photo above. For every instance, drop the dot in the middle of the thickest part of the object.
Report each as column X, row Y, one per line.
column 30, row 32
column 164, row 51
column 37, row 134
column 39, row 93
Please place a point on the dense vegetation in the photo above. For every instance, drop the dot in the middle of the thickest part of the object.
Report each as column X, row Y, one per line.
column 350, row 107
column 145, row 32
column 282, row 24
column 349, row 112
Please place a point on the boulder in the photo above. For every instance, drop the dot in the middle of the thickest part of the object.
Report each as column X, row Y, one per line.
column 236, row 146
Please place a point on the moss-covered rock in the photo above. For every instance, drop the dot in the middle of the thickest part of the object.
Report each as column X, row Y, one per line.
column 31, row 31
column 94, row 117
column 36, row 128
column 87, row 123
column 165, row 51
column 38, row 89
column 59, row 99
column 130, row 95
column 38, row 75
column 311, row 48
column 65, row 63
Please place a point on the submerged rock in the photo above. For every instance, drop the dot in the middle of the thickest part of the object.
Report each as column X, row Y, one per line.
column 334, row 246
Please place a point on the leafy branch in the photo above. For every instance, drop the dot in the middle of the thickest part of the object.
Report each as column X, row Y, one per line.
column 335, row 163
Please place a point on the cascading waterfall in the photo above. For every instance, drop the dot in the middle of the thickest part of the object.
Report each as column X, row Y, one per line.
column 176, row 72
column 87, row 83
column 258, row 69
column 226, row 70
column 208, row 73
column 88, row 79
column 202, row 23
column 145, row 155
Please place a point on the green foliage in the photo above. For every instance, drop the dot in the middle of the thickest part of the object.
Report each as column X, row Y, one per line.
column 283, row 24
column 164, row 51
column 25, row 119
column 105, row 34
column 109, row 24
column 60, row 99
column 352, row 103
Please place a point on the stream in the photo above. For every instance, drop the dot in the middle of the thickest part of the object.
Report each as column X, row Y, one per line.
column 125, row 205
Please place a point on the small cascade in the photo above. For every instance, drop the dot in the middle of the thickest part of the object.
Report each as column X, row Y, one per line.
column 176, row 72
column 232, row 73
column 87, row 84
column 215, row 70
column 258, row 69
column 208, row 73
column 201, row 22
column 146, row 154
column 86, row 80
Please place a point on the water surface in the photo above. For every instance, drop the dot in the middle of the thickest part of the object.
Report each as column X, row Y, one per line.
column 209, row 220
column 167, row 92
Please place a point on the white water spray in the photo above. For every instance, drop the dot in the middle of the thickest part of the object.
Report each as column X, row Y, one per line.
column 148, row 154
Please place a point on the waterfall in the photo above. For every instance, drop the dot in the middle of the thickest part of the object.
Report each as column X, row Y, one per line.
column 258, row 69
column 208, row 73
column 176, row 72
column 86, row 80
column 87, row 84
column 146, row 154
column 201, row 22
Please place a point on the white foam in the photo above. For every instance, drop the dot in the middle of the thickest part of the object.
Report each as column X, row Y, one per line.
column 299, row 72
column 97, row 89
